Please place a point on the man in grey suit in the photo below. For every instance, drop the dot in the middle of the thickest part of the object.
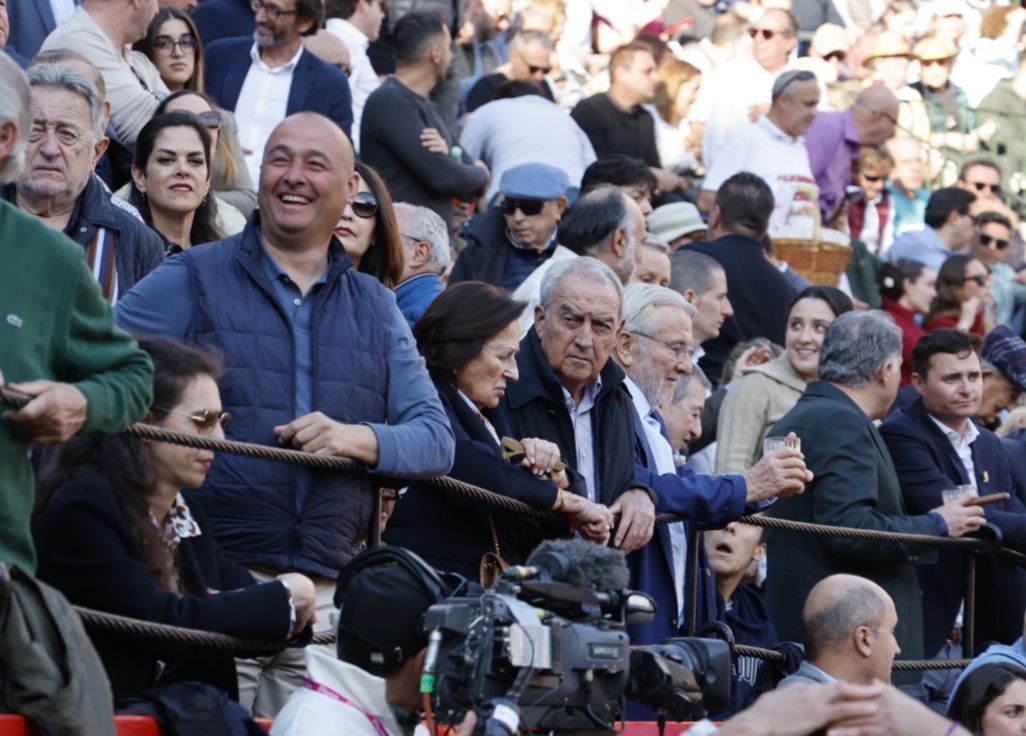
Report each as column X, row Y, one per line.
column 849, row 633
column 855, row 483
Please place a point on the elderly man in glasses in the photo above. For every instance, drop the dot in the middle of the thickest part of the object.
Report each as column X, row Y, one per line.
column 265, row 79
column 507, row 243
column 772, row 148
column 58, row 186
column 319, row 358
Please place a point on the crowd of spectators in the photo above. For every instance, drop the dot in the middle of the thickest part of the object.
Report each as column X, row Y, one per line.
column 557, row 249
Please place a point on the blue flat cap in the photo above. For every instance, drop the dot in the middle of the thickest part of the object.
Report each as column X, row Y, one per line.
column 533, row 181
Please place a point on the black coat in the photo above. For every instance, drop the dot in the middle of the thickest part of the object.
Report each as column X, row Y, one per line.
column 759, row 293
column 449, row 530
column 484, row 257
column 855, row 486
column 534, row 407
column 86, row 551
column 927, row 464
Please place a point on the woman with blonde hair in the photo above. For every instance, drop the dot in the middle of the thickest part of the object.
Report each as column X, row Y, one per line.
column 679, row 144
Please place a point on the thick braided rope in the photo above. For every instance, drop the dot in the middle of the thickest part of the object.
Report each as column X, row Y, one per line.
column 901, row 665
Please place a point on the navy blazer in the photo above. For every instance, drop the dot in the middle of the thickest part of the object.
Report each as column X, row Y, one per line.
column 316, row 85
column 31, row 22
column 927, row 464
column 87, row 551
column 217, row 19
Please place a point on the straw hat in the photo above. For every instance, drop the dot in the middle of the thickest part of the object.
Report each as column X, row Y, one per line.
column 935, row 48
column 888, row 44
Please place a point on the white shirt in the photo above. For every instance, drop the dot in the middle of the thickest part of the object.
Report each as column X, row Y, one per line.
column 362, row 78
column 870, row 234
column 584, row 442
column 962, row 444
column 62, row 10
column 783, row 162
column 662, row 457
column 263, row 101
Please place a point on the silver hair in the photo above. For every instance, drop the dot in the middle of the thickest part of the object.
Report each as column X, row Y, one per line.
column 427, row 225
column 856, row 346
column 55, row 76
column 640, row 302
column 16, row 108
column 684, row 383
column 523, row 38
column 656, row 243
column 591, row 268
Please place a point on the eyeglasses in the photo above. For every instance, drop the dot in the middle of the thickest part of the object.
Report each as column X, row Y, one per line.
column 980, row 186
column 529, row 207
column 836, row 56
column 185, row 44
column 935, row 62
column 365, row 205
column 205, row 420
column 273, row 11
column 679, row 350
column 212, row 119
column 766, row 33
column 986, row 240
column 979, row 279
column 538, row 69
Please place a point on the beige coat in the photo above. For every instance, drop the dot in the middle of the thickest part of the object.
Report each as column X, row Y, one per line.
column 754, row 403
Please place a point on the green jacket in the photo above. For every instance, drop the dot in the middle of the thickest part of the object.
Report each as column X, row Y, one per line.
column 55, row 325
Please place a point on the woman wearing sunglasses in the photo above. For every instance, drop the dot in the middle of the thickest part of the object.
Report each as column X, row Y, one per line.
column 229, row 177
column 990, row 245
column 114, row 533
column 963, row 299
column 369, row 232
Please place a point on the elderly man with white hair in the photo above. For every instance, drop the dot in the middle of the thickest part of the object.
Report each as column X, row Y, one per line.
column 58, row 342
column 654, row 349
column 426, row 255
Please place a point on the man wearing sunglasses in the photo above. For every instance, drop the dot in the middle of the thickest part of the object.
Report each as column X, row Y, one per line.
column 319, row 359
column 949, row 228
column 58, row 186
column 989, row 245
column 507, row 243
column 530, row 60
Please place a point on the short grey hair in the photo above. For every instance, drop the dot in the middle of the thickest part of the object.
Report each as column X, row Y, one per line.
column 55, row 76
column 692, row 270
column 428, row 225
column 590, row 268
column 856, row 346
column 640, row 302
column 61, row 56
column 15, row 107
column 830, row 627
column 523, row 38
column 684, row 383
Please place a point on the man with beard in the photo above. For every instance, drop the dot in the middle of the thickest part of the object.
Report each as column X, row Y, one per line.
column 265, row 81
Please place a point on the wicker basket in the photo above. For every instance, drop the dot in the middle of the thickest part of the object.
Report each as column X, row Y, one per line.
column 820, row 262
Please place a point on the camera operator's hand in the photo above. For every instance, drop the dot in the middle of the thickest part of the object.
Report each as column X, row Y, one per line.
column 961, row 519
column 637, row 519
column 804, row 709
column 304, row 599
column 781, row 473
column 896, row 715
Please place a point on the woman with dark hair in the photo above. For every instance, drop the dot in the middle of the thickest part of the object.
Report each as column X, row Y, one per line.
column 171, row 181
column 229, row 177
column 469, row 338
column 173, row 44
column 962, row 297
column 115, row 534
column 369, row 232
column 907, row 289
column 765, row 393
column 991, row 700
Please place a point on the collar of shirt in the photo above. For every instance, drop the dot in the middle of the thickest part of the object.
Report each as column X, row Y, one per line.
column 770, row 127
column 698, row 354
column 520, row 246
column 591, row 392
column 289, row 66
column 178, row 524
column 958, row 440
column 641, row 402
column 273, row 271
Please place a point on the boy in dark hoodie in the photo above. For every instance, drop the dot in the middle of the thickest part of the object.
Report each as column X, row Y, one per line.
column 731, row 552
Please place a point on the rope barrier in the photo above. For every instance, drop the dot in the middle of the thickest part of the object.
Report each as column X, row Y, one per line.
column 899, row 665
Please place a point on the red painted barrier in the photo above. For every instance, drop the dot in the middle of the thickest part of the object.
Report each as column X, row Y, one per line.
column 142, row 726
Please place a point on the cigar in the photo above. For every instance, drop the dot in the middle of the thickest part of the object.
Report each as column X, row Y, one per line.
column 988, row 499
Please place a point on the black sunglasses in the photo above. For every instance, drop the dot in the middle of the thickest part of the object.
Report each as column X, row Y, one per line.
column 766, row 33
column 836, row 55
column 986, row 240
column 536, row 69
column 979, row 186
column 212, row 119
column 528, row 206
column 365, row 205
column 980, row 280
column 872, row 179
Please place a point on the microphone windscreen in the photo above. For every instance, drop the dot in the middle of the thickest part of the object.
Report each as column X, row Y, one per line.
column 587, row 565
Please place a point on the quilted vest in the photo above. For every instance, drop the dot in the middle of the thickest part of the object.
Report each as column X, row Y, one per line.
column 252, row 504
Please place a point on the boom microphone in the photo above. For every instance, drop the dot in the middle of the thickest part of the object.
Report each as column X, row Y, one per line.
column 581, row 564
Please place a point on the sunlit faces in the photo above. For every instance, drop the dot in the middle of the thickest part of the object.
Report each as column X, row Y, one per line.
column 354, row 232
column 174, row 53
column 186, row 467
column 653, row 267
column 806, row 326
column 62, row 147
column 713, row 307
column 990, row 243
column 920, row 292
column 640, row 75
column 531, row 63
column 485, row 378
column 771, row 44
column 797, row 106
column 662, row 356
column 872, row 182
column 177, row 176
